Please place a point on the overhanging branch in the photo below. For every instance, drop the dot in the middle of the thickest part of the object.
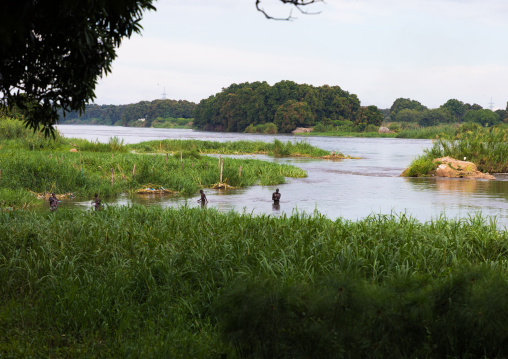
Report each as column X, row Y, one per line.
column 296, row 3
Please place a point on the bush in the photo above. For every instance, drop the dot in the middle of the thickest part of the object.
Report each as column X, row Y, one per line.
column 395, row 127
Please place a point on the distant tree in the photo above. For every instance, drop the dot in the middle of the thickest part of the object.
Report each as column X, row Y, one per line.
column 369, row 115
column 405, row 103
column 473, row 107
column 483, row 117
column 503, row 114
column 259, row 103
column 408, row 115
column 293, row 114
column 456, row 108
column 435, row 117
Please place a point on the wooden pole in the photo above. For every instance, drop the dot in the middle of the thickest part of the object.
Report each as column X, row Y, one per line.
column 134, row 171
column 221, row 167
column 240, row 172
column 181, row 160
column 167, row 158
column 112, row 176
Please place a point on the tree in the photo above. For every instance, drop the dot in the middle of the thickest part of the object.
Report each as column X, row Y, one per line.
column 369, row 115
column 405, row 103
column 483, row 117
column 293, row 114
column 408, row 115
column 456, row 108
column 53, row 51
column 435, row 117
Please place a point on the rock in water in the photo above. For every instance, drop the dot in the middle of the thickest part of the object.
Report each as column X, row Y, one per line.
column 452, row 168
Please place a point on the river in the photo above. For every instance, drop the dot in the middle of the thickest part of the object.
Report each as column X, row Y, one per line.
column 352, row 188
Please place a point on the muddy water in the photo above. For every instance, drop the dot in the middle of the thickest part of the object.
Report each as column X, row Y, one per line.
column 349, row 188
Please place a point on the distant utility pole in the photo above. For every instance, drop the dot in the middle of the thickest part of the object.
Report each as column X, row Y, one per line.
column 491, row 104
column 164, row 94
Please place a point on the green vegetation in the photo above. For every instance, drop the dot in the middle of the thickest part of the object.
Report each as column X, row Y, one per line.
column 76, row 44
column 193, row 283
column 171, row 122
column 275, row 148
column 269, row 128
column 157, row 113
column 487, row 148
column 421, row 132
column 31, row 162
column 86, row 173
column 287, row 105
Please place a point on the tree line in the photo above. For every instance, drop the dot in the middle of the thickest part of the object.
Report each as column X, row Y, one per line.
column 286, row 104
column 138, row 114
column 452, row 111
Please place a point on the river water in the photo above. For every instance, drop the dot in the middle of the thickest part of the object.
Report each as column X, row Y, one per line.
column 352, row 188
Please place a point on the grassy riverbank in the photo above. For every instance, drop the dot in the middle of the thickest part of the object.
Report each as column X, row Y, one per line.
column 195, row 283
column 275, row 148
column 31, row 162
column 86, row 173
column 487, row 148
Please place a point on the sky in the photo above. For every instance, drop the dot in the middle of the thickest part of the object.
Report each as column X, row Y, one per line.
column 426, row 50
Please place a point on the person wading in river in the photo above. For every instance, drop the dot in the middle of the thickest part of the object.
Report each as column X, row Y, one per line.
column 203, row 198
column 53, row 203
column 276, row 196
column 96, row 203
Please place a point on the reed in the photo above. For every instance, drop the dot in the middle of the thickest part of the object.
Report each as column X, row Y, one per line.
column 487, row 148
column 275, row 148
column 86, row 173
column 431, row 132
column 152, row 282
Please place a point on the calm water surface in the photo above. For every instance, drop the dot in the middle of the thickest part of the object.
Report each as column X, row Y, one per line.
column 349, row 188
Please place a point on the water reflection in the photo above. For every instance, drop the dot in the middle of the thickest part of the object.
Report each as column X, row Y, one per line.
column 276, row 208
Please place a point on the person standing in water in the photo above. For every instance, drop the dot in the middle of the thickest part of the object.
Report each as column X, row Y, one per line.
column 53, row 203
column 203, row 198
column 96, row 203
column 276, row 196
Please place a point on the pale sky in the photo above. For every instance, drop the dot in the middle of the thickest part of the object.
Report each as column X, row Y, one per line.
column 380, row 50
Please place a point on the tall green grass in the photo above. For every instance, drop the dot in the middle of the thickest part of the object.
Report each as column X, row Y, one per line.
column 15, row 135
column 86, row 173
column 487, row 148
column 431, row 132
column 180, row 283
column 275, row 148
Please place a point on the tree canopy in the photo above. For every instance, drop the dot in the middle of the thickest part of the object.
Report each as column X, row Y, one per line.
column 53, row 51
column 405, row 103
column 129, row 115
column 286, row 103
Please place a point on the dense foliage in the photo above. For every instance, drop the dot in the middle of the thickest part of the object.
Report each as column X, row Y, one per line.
column 142, row 114
column 452, row 111
column 52, row 53
column 147, row 282
column 286, row 104
column 487, row 148
column 31, row 162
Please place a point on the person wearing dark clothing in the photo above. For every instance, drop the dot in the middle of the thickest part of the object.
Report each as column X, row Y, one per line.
column 276, row 196
column 203, row 198
column 53, row 202
column 96, row 203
